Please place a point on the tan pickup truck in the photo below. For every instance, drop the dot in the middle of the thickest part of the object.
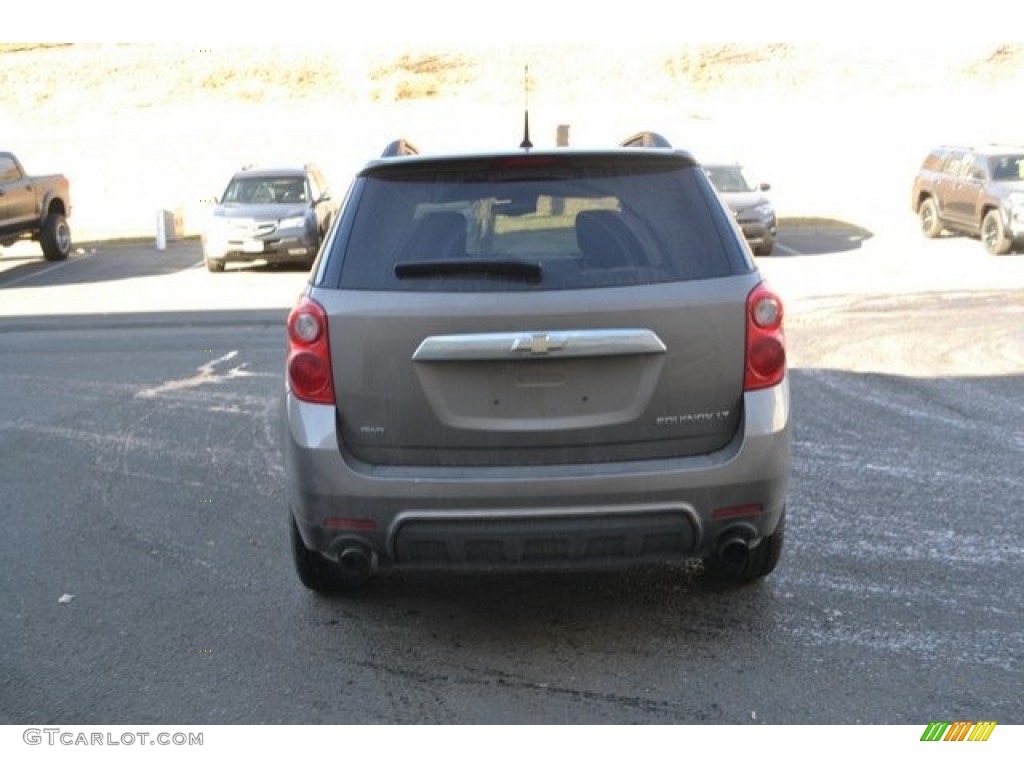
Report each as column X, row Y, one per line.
column 34, row 208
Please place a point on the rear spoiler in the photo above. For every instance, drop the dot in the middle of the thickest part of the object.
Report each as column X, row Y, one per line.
column 402, row 147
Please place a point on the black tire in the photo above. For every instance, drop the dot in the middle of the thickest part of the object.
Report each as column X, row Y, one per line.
column 315, row 571
column 993, row 234
column 765, row 248
column 214, row 266
column 760, row 562
column 55, row 237
column 928, row 213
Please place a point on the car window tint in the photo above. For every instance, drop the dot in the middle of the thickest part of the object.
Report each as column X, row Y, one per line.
column 266, row 190
column 729, row 179
column 935, row 160
column 977, row 169
column 591, row 227
column 953, row 164
column 8, row 170
column 1007, row 167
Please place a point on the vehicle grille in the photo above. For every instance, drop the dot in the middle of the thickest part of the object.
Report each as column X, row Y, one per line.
column 252, row 228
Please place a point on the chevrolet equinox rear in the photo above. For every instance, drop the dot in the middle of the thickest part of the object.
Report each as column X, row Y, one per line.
column 532, row 359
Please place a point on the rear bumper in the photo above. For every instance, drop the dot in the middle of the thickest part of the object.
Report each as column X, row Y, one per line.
column 292, row 255
column 548, row 515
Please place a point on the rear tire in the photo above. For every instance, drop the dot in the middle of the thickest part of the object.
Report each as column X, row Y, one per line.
column 993, row 234
column 315, row 571
column 214, row 266
column 931, row 224
column 55, row 238
column 760, row 562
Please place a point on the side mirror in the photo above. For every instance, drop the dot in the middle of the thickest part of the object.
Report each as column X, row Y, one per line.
column 764, row 187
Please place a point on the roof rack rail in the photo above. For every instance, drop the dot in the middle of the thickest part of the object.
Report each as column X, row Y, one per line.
column 399, row 147
column 646, row 139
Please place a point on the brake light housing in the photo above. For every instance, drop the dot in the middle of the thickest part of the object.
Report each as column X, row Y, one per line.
column 309, row 354
column 765, row 357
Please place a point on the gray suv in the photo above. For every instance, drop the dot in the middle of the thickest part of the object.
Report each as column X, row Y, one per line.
column 754, row 212
column 277, row 215
column 530, row 359
column 975, row 191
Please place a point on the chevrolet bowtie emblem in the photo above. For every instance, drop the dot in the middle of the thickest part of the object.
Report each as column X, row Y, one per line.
column 539, row 343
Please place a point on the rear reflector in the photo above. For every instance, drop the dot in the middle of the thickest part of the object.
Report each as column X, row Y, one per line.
column 744, row 510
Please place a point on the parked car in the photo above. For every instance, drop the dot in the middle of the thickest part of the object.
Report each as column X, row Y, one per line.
column 278, row 215
column 975, row 191
column 34, row 208
column 535, row 358
column 754, row 212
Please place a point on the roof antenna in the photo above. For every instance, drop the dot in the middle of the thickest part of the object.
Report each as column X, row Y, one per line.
column 526, row 143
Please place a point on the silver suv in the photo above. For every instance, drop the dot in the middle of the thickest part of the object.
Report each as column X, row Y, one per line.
column 532, row 359
column 754, row 212
column 277, row 215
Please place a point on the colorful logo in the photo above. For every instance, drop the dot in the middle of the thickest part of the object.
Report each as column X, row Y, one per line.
column 960, row 730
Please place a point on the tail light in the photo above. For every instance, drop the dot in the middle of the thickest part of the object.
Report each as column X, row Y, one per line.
column 766, row 344
column 309, row 354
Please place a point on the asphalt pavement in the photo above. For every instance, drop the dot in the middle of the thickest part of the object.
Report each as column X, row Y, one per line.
column 146, row 576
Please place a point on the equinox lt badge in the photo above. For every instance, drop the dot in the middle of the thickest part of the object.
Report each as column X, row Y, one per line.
column 691, row 418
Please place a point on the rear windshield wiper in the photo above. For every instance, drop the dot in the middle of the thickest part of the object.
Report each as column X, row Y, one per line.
column 510, row 268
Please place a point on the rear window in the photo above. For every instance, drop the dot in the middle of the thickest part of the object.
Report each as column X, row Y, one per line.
column 1007, row 167
column 535, row 223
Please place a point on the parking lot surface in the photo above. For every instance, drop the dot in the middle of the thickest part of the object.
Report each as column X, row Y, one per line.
column 147, row 576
